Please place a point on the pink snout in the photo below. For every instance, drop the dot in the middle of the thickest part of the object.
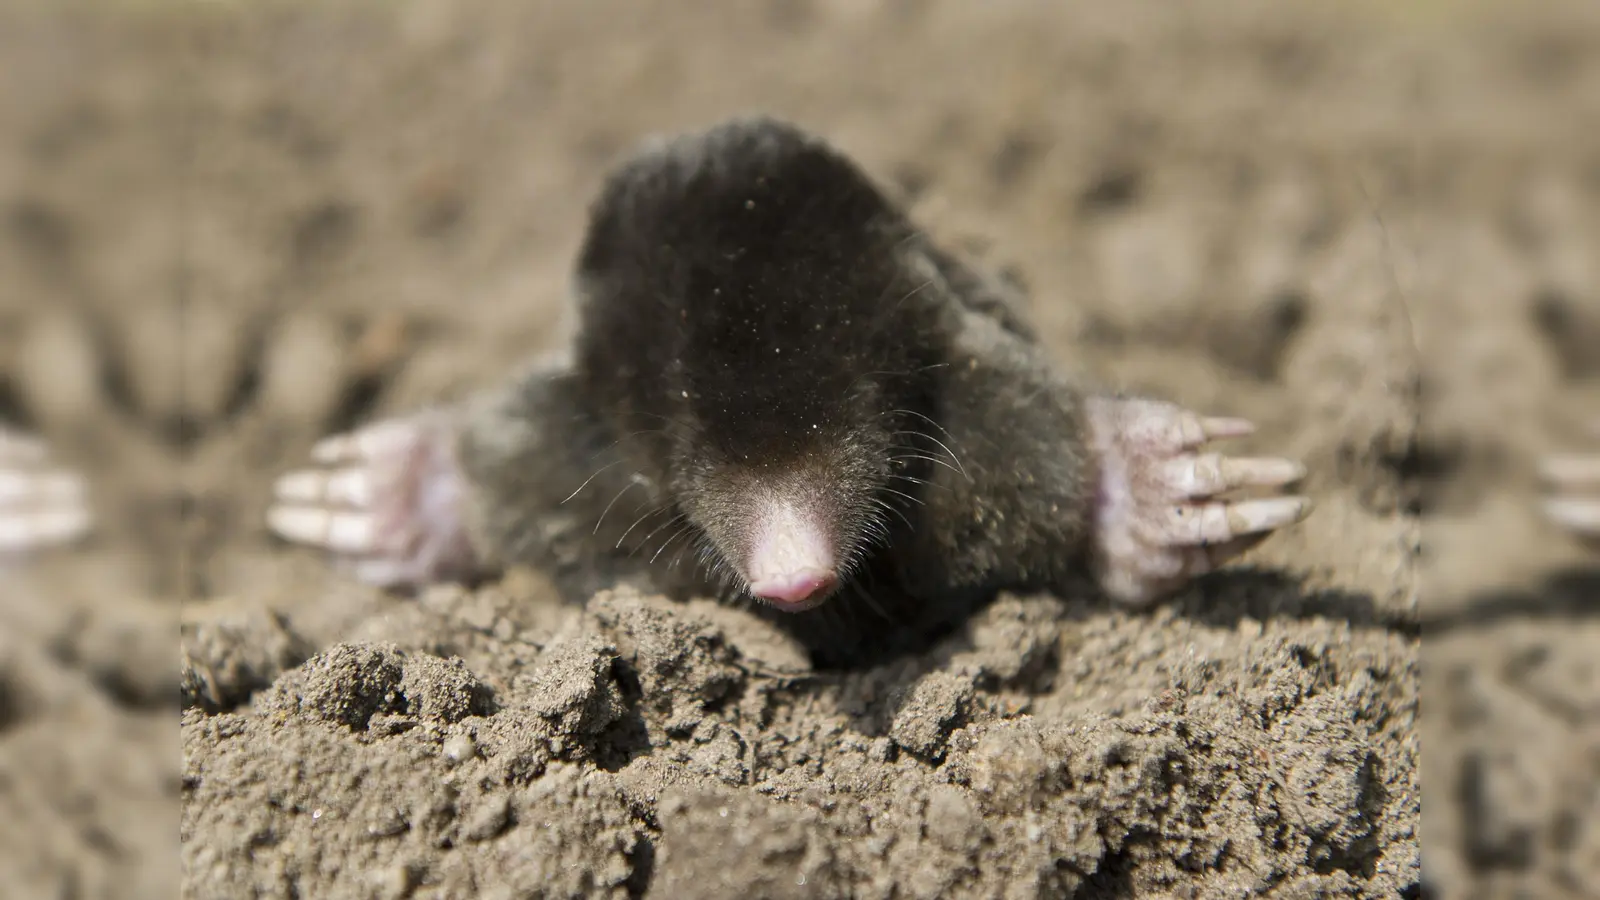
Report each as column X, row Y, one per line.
column 795, row 591
column 791, row 561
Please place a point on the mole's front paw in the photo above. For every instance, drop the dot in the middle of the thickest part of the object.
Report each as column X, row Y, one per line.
column 1573, row 498
column 387, row 501
column 41, row 505
column 1158, row 519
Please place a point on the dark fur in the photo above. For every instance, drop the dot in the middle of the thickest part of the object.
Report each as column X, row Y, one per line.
column 755, row 310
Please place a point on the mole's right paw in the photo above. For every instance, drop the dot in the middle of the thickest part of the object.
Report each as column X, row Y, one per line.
column 1573, row 501
column 386, row 501
column 41, row 506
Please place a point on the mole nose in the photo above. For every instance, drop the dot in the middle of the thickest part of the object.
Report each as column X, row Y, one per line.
column 795, row 591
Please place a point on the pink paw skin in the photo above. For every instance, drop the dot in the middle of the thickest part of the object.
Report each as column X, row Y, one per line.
column 1160, row 519
column 385, row 501
column 1572, row 498
column 42, row 505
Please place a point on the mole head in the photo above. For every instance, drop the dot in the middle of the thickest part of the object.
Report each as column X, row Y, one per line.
column 773, row 315
column 787, row 491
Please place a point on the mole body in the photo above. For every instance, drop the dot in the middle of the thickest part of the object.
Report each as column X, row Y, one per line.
column 782, row 393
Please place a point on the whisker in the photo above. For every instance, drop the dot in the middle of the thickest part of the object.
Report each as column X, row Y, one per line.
column 677, row 557
column 719, row 570
column 879, row 532
column 684, row 424
column 660, row 507
column 707, row 556
column 905, row 495
column 603, row 450
column 859, row 556
column 875, row 531
column 656, row 530
column 912, row 293
column 632, row 482
column 924, row 417
column 942, row 445
column 590, row 478
column 683, row 529
column 932, row 459
column 894, row 509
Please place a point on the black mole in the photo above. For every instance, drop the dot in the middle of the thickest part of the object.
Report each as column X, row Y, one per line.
column 783, row 393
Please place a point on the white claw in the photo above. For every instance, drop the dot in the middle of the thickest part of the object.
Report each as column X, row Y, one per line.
column 40, row 488
column 65, row 524
column 1578, row 515
column 41, row 507
column 1188, row 431
column 1203, row 475
column 342, row 532
column 1572, row 471
column 22, row 532
column 1218, row 428
column 1268, row 514
column 342, row 487
column 375, row 440
column 1215, row 523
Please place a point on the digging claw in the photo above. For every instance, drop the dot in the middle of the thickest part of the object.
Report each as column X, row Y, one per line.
column 1572, row 472
column 1203, row 475
column 1219, row 522
column 1161, row 520
column 345, row 532
column 1219, row 428
column 1582, row 517
column 41, row 506
column 1573, row 502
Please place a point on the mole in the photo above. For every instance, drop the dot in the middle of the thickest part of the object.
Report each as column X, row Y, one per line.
column 43, row 505
column 784, row 394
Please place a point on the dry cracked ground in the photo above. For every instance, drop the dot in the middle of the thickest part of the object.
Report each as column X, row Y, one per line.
column 230, row 229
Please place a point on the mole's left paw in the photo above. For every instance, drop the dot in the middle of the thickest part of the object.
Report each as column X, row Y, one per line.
column 1158, row 519
column 41, row 505
column 1573, row 498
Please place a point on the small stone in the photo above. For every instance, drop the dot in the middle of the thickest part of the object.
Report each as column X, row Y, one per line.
column 460, row 747
column 387, row 823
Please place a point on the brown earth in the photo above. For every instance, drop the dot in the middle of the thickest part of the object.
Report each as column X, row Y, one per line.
column 230, row 229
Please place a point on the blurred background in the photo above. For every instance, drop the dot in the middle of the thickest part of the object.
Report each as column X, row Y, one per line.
column 228, row 229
